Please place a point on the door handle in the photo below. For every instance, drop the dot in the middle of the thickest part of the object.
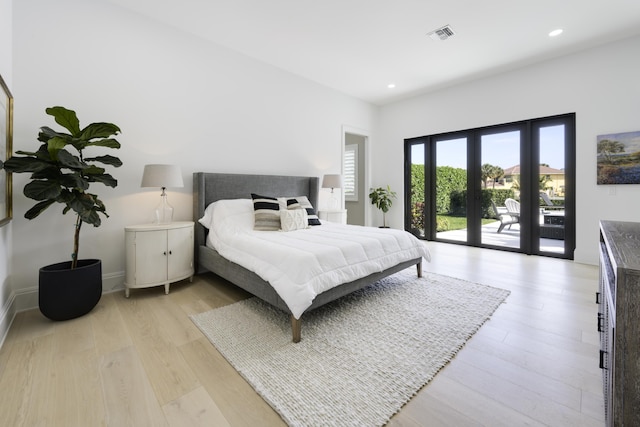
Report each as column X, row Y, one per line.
column 600, row 322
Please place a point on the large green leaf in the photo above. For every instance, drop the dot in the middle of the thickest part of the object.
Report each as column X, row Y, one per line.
column 109, row 143
column 38, row 208
column 73, row 180
column 99, row 206
column 107, row 160
column 65, row 118
column 78, row 144
column 106, row 179
column 54, row 145
column 26, row 153
column 91, row 217
column 42, row 190
column 24, row 164
column 99, row 130
column 66, row 196
column 46, row 133
column 51, row 172
column 68, row 160
column 91, row 170
column 83, row 204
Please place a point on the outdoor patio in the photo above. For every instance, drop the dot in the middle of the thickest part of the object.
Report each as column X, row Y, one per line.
column 509, row 237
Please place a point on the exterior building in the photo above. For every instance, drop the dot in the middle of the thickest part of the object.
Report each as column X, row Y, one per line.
column 551, row 180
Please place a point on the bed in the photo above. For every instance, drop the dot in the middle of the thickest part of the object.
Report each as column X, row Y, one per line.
column 213, row 187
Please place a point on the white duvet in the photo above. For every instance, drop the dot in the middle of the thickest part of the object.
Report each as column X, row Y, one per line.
column 303, row 263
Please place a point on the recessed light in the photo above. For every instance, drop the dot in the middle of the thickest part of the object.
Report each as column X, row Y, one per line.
column 391, row 85
column 555, row 33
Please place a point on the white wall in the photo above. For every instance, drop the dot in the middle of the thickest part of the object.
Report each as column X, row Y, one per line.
column 601, row 85
column 181, row 100
column 6, row 71
column 177, row 100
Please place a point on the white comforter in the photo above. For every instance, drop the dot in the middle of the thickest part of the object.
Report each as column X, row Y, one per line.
column 304, row 263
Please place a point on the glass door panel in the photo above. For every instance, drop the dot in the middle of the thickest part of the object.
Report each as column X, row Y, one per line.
column 500, row 189
column 451, row 190
column 552, row 189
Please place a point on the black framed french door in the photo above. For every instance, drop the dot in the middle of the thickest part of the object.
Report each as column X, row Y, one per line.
column 508, row 186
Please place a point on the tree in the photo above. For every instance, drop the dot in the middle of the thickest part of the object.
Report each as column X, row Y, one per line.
column 490, row 172
column 607, row 148
column 60, row 172
column 543, row 182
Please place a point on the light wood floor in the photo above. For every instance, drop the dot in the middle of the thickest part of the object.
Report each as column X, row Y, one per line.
column 141, row 361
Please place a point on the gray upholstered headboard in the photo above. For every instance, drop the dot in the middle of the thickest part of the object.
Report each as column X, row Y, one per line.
column 209, row 187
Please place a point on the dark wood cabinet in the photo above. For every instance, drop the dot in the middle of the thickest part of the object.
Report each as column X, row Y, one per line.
column 619, row 321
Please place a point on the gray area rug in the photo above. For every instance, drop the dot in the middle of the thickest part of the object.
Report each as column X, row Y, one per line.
column 362, row 357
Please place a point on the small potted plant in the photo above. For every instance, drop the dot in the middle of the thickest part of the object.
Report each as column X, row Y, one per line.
column 382, row 198
column 60, row 173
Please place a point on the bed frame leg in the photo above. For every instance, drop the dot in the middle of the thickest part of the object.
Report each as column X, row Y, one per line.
column 296, row 329
column 419, row 266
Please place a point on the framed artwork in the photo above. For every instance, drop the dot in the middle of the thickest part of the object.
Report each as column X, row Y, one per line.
column 619, row 158
column 6, row 142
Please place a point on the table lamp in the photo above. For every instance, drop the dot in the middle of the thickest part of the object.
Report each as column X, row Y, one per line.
column 332, row 181
column 162, row 176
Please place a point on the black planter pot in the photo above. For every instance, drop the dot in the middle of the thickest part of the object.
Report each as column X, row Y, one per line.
column 65, row 293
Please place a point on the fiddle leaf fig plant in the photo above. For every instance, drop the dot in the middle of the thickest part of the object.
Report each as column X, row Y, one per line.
column 62, row 173
column 382, row 198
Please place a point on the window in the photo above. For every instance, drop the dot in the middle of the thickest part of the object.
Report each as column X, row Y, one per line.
column 350, row 173
column 457, row 185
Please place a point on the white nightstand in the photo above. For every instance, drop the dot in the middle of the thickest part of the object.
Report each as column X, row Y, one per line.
column 158, row 254
column 337, row 215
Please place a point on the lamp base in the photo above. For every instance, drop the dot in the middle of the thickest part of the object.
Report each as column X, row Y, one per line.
column 164, row 211
column 333, row 203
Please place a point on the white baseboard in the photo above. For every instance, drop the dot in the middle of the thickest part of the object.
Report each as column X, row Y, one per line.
column 7, row 315
column 112, row 282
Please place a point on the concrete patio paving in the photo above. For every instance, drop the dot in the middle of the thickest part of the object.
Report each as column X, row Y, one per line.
column 509, row 237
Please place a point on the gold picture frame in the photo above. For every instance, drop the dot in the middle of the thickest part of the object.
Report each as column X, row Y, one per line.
column 6, row 147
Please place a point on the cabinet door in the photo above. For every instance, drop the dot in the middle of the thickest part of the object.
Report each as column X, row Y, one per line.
column 180, row 252
column 151, row 257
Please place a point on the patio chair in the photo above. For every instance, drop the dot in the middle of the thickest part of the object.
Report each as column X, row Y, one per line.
column 507, row 215
column 547, row 203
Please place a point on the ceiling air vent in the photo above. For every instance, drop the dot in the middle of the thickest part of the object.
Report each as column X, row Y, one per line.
column 442, row 33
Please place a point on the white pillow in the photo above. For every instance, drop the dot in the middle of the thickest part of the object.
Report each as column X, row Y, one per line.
column 229, row 215
column 293, row 219
column 207, row 218
column 303, row 203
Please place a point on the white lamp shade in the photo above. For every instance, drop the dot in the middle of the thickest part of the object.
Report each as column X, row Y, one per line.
column 332, row 181
column 163, row 176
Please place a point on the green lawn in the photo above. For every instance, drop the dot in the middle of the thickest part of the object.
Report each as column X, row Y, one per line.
column 449, row 222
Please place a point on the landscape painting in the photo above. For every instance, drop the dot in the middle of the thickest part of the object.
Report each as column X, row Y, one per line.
column 619, row 158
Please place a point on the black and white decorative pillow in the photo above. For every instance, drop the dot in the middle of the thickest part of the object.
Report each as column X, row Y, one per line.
column 266, row 213
column 303, row 202
column 293, row 204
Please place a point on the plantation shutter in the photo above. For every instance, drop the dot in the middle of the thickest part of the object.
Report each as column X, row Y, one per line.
column 350, row 173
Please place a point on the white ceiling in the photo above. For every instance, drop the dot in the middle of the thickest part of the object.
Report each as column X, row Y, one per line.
column 360, row 46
